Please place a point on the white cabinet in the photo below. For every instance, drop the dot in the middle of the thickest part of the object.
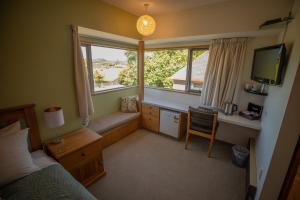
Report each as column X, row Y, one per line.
column 169, row 123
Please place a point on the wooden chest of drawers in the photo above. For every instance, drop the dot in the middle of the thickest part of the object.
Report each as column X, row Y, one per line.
column 150, row 117
column 81, row 155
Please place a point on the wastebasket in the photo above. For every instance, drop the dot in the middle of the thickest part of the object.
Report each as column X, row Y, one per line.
column 240, row 155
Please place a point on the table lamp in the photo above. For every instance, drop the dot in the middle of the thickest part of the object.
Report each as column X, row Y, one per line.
column 54, row 118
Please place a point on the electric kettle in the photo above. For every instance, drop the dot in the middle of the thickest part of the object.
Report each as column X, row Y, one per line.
column 230, row 108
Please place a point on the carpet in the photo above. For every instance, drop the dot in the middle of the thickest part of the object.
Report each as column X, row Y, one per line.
column 148, row 166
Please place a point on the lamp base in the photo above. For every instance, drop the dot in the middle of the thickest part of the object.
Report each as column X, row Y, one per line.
column 57, row 140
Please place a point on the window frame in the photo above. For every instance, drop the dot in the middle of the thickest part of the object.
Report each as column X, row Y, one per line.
column 188, row 89
column 189, row 70
column 90, row 72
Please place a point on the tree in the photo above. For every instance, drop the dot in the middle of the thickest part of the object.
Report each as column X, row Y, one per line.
column 131, row 56
column 159, row 66
column 197, row 53
column 128, row 76
column 99, row 78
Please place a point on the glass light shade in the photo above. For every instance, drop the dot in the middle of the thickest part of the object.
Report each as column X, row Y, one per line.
column 146, row 25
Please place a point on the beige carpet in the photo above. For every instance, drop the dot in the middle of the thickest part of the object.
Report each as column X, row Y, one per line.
column 146, row 166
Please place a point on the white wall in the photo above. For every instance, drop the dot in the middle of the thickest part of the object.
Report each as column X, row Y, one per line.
column 253, row 43
column 280, row 128
column 224, row 17
column 175, row 97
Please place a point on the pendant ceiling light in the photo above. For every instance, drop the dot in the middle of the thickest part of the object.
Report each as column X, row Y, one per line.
column 145, row 24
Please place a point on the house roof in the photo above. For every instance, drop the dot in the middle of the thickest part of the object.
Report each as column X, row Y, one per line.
column 198, row 69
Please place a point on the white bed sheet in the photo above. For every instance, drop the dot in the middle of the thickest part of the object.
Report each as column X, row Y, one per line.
column 41, row 159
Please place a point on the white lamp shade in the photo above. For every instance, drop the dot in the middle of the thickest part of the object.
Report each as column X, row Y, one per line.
column 54, row 117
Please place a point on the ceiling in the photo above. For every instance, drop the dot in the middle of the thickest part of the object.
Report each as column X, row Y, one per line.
column 157, row 7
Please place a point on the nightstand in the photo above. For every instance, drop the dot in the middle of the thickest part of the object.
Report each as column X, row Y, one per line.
column 81, row 154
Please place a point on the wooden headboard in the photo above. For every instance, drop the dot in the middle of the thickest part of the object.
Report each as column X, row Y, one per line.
column 27, row 114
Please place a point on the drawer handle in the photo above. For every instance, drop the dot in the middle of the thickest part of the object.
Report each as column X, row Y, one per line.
column 82, row 154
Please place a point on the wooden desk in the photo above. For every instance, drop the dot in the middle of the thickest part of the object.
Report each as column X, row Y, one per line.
column 231, row 119
column 233, row 129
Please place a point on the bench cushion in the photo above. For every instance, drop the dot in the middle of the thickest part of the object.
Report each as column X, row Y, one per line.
column 108, row 122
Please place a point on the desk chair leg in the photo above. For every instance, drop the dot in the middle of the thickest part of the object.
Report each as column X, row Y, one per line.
column 211, row 143
column 187, row 139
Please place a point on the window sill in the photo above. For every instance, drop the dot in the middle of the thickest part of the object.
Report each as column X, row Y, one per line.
column 176, row 91
column 113, row 90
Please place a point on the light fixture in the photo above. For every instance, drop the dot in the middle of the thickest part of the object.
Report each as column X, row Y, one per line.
column 146, row 24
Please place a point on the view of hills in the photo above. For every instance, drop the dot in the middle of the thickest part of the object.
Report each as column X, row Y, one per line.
column 101, row 63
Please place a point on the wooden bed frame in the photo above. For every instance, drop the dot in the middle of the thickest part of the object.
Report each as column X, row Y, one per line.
column 27, row 114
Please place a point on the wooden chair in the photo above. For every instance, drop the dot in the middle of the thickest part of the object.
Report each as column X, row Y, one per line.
column 202, row 122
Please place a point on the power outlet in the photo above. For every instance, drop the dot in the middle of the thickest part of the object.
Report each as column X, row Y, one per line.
column 261, row 171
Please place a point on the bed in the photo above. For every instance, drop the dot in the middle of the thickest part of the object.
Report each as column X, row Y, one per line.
column 51, row 181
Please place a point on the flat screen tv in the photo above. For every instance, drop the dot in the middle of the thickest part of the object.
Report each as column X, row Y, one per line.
column 268, row 64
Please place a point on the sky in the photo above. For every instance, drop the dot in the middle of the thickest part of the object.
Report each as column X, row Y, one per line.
column 108, row 53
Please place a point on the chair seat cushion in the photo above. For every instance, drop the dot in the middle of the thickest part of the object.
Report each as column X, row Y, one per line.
column 108, row 122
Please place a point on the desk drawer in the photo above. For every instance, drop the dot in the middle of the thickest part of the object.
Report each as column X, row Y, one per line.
column 150, row 122
column 81, row 156
column 150, row 110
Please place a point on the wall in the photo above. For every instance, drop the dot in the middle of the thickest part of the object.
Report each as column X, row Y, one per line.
column 36, row 54
column 175, row 97
column 110, row 102
column 280, row 122
column 229, row 16
column 253, row 43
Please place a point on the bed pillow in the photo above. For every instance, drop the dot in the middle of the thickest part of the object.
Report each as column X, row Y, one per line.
column 16, row 161
column 129, row 104
column 124, row 104
column 10, row 129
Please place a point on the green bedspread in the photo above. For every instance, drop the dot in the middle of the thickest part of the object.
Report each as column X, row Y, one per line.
column 53, row 182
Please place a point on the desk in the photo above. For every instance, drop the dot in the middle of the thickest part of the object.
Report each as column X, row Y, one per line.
column 233, row 129
column 231, row 119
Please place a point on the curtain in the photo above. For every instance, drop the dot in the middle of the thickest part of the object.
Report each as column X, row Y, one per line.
column 84, row 99
column 223, row 74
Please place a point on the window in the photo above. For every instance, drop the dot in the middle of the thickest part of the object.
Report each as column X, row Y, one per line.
column 197, row 69
column 163, row 67
column 176, row 69
column 110, row 68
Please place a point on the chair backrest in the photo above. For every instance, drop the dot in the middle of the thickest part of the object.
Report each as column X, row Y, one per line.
column 202, row 119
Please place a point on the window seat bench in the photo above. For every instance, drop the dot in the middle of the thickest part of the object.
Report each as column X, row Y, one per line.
column 115, row 126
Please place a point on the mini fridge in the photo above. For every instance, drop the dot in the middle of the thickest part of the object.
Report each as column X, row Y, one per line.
column 169, row 122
